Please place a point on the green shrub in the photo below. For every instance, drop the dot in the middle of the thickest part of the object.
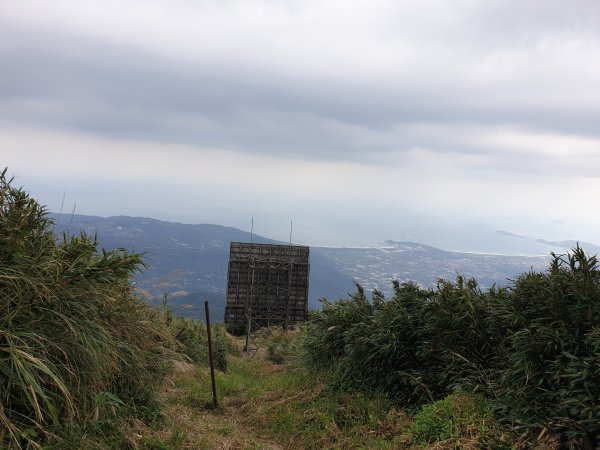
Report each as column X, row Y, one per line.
column 71, row 329
column 221, row 347
column 399, row 346
column 192, row 338
column 281, row 346
column 551, row 377
column 193, row 341
column 457, row 417
column 533, row 348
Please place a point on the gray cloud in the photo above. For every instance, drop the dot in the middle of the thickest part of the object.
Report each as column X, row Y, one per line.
column 479, row 95
column 505, row 71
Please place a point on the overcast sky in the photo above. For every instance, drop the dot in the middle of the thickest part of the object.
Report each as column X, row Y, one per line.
column 358, row 120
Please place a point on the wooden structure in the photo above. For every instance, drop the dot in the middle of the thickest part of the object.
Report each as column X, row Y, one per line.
column 267, row 285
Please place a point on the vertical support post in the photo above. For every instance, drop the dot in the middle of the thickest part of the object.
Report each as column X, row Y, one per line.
column 249, row 304
column 210, row 354
column 248, row 330
column 287, row 296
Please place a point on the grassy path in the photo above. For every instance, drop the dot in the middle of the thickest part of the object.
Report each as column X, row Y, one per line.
column 266, row 406
column 191, row 422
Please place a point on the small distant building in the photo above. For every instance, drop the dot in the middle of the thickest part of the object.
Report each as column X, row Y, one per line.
column 267, row 285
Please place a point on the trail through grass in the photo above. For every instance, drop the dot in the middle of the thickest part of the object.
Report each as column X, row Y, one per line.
column 268, row 406
column 261, row 406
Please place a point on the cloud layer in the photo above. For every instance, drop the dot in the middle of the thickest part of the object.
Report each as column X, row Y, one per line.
column 433, row 105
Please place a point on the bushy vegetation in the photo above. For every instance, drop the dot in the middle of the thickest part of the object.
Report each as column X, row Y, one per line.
column 551, row 375
column 193, row 340
column 403, row 343
column 78, row 350
column 282, row 346
column 458, row 419
column 532, row 348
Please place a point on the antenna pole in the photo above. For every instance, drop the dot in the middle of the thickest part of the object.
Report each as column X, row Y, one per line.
column 251, row 231
column 291, row 228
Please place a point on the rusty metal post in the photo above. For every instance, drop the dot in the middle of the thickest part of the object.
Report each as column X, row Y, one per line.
column 210, row 354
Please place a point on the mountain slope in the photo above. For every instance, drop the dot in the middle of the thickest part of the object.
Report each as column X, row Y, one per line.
column 190, row 261
column 543, row 246
column 376, row 267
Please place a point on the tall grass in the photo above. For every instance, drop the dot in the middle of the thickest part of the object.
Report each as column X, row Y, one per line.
column 73, row 337
column 192, row 341
column 533, row 348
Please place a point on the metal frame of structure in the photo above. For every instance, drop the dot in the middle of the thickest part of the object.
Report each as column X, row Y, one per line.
column 267, row 285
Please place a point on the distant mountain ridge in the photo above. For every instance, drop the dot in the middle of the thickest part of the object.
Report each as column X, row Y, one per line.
column 190, row 261
column 555, row 246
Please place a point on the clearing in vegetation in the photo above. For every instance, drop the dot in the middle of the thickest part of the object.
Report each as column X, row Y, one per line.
column 263, row 405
